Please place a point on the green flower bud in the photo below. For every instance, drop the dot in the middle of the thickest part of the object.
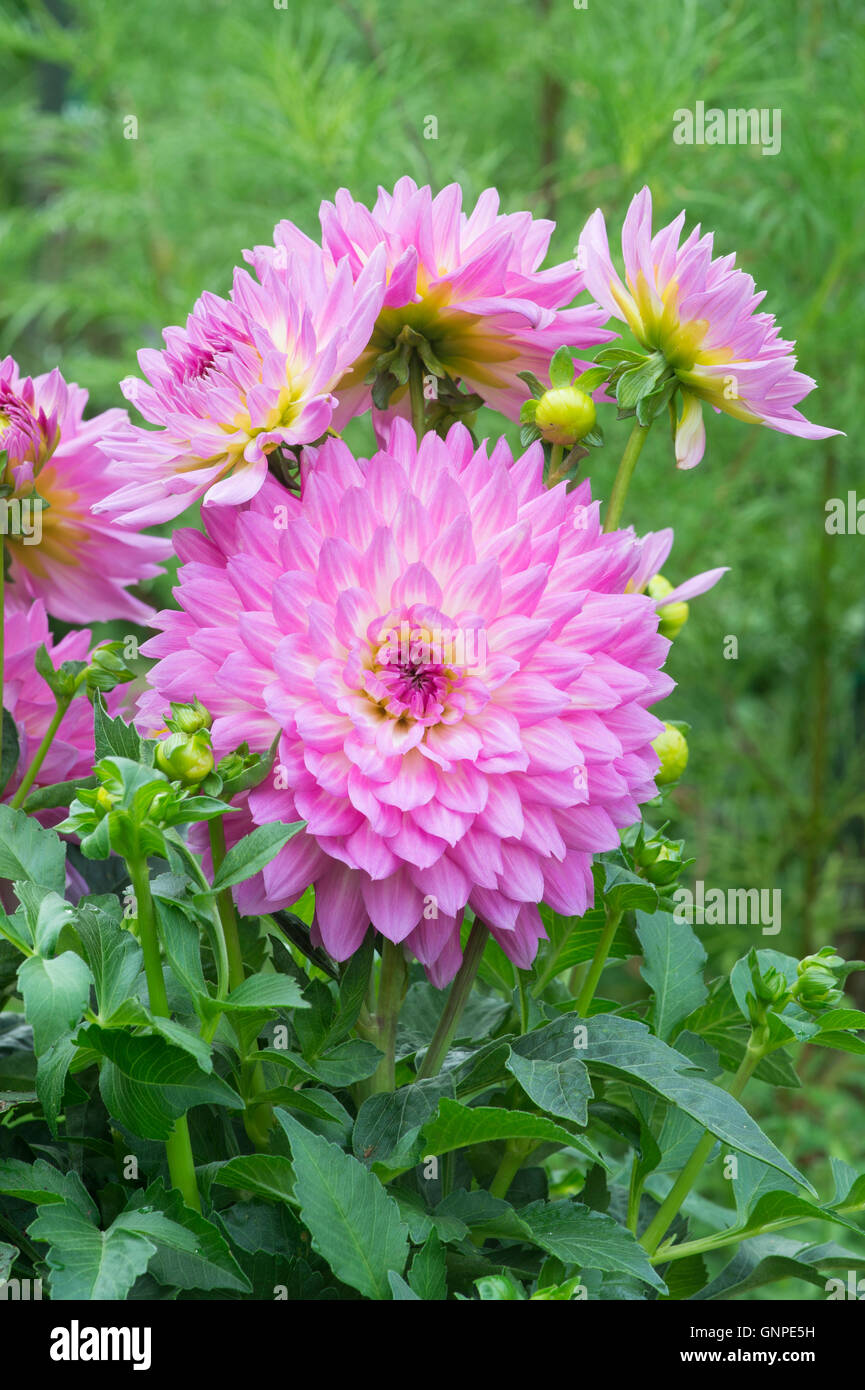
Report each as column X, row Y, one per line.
column 564, row 414
column 817, row 986
column 188, row 719
column 673, row 616
column 672, row 748
column 186, row 758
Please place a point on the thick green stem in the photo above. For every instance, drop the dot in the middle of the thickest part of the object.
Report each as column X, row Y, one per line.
column 418, row 403
column 391, row 991
column 515, row 1154
column 456, row 1002
column 599, row 960
column 178, row 1148
column 624, row 473
column 556, row 455
column 225, row 906
column 669, row 1208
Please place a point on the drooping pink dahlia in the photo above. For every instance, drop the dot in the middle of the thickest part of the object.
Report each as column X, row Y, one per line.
column 76, row 563
column 32, row 705
column 700, row 315
column 245, row 376
column 469, row 283
column 460, row 680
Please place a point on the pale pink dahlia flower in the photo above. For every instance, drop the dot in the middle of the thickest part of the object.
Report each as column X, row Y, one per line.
column 32, row 705
column 245, row 377
column 76, row 563
column 470, row 283
column 458, row 675
column 700, row 314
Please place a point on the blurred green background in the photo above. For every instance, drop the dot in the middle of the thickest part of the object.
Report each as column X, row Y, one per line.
column 247, row 113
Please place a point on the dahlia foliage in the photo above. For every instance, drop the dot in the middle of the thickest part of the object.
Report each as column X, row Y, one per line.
column 400, row 728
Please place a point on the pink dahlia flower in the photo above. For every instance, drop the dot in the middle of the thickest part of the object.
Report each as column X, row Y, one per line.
column 701, row 315
column 460, row 681
column 245, row 377
column 32, row 705
column 75, row 562
column 470, row 283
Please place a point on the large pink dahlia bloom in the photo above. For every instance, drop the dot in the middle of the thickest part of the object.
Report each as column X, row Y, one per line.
column 31, row 704
column 75, row 562
column 470, row 283
column 458, row 675
column 701, row 315
column 245, row 377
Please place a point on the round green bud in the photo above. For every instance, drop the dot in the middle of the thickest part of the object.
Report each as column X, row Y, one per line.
column 188, row 719
column 186, row 759
column 672, row 748
column 564, row 414
column 673, row 616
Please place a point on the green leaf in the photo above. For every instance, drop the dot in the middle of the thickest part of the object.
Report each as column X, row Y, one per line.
column 8, row 1255
column 673, row 967
column 86, row 1263
column 591, row 379
column 148, row 1083
column 456, row 1126
column 624, row 1049
column 267, row 1175
column 640, row 380
column 252, row 853
column 57, row 794
column 402, row 1292
column 113, row 954
column 29, row 852
column 52, row 1069
column 388, row 1125
column 624, row 891
column 766, row 1259
column 788, row 1206
column 577, row 1235
column 428, row 1273
column 559, row 1086
column 355, row 1225
column 561, row 368
column 341, row 1066
column 574, row 940
column 55, row 993
column 44, row 1185
column 265, row 992
column 11, row 750
column 190, row 1252
column 116, row 739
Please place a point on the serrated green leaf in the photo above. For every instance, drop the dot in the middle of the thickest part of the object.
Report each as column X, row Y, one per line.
column 673, row 965
column 28, row 852
column 355, row 1225
column 577, row 1235
column 86, row 1263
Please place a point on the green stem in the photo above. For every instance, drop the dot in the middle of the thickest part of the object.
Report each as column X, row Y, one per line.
column 599, row 960
column 178, row 1148
column 391, row 991
column 39, row 756
column 416, row 395
column 456, row 1002
column 669, row 1208
column 515, row 1154
column 734, row 1237
column 225, row 906
column 624, row 473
